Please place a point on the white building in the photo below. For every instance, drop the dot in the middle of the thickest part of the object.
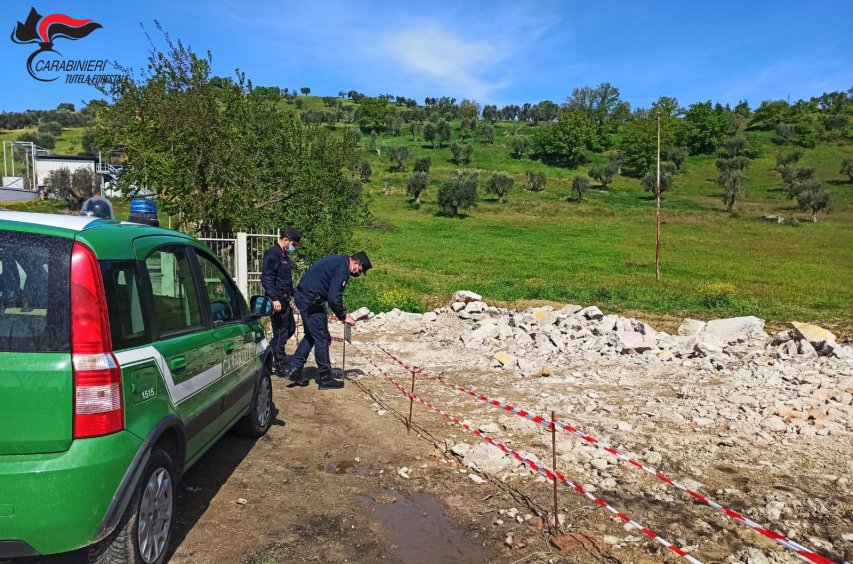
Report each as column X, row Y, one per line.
column 45, row 164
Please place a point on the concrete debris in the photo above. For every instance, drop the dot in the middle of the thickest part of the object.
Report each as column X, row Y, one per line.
column 691, row 327
column 774, row 408
column 466, row 296
column 591, row 312
column 361, row 313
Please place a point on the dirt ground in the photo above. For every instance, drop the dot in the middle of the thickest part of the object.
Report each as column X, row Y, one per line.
column 326, row 485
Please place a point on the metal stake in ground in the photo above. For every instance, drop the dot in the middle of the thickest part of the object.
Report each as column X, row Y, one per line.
column 347, row 338
column 411, row 401
column 554, row 468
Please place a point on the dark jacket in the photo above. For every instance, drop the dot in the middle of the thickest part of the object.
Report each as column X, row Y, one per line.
column 276, row 276
column 325, row 282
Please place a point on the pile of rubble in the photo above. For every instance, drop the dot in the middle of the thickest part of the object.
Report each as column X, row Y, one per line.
column 798, row 380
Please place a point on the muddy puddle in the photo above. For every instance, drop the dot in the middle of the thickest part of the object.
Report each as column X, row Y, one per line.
column 347, row 467
column 420, row 531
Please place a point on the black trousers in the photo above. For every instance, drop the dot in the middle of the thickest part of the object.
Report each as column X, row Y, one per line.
column 283, row 328
column 315, row 321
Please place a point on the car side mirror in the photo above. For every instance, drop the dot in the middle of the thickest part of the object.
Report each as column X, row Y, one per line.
column 260, row 306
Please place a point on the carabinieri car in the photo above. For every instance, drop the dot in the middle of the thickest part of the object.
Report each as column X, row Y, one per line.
column 126, row 351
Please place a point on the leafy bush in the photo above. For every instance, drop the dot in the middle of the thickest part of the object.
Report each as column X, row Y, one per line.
column 51, row 128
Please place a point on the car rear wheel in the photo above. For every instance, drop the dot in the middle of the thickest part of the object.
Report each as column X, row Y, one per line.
column 259, row 419
column 143, row 534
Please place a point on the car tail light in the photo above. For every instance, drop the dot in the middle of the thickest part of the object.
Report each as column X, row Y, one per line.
column 97, row 375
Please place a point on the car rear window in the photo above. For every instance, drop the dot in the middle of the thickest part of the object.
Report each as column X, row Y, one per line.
column 34, row 292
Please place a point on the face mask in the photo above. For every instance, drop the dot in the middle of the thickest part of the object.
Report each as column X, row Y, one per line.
column 290, row 249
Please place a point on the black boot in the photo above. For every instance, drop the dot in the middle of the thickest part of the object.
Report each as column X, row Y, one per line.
column 294, row 375
column 325, row 381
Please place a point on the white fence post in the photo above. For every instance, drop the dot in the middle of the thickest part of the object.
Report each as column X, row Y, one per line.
column 241, row 264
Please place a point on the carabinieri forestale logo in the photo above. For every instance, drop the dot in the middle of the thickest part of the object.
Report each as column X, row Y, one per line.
column 47, row 64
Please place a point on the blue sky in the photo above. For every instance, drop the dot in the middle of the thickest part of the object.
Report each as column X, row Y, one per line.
column 494, row 52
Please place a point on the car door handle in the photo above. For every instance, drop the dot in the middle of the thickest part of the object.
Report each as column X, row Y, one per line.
column 229, row 347
column 259, row 337
column 178, row 364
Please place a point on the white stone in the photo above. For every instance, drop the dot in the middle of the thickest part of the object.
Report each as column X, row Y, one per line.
column 626, row 342
column 457, row 306
column 486, row 458
column 774, row 424
column 430, row 316
column 474, row 307
column 460, row 449
column 476, row 479
column 623, row 426
column 570, row 309
column 703, row 421
column 736, row 329
column 706, row 344
column 489, row 428
column 361, row 313
column 806, row 348
column 690, row 327
column 466, row 296
column 599, row 464
column 591, row 312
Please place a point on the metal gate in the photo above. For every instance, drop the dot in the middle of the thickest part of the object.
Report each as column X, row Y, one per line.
column 242, row 254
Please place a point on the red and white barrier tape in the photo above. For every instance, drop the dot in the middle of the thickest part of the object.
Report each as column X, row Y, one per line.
column 788, row 543
column 549, row 474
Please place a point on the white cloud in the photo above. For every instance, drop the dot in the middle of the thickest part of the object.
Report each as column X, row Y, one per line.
column 452, row 63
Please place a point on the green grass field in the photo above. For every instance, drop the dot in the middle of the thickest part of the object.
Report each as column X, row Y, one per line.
column 539, row 247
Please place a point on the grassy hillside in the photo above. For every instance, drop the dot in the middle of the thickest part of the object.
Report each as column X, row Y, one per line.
column 538, row 246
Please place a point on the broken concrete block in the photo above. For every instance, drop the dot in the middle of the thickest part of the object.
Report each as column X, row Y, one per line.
column 474, row 307
column 817, row 336
column 506, row 360
column 466, row 296
column 591, row 312
column 690, row 327
column 736, row 329
column 361, row 313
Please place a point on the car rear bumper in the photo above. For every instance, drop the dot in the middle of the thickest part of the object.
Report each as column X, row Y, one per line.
column 51, row 503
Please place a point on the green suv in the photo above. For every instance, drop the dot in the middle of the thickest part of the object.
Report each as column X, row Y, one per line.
column 126, row 351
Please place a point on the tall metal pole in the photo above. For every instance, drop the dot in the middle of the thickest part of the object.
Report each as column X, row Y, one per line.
column 657, row 194
column 554, row 468
column 411, row 402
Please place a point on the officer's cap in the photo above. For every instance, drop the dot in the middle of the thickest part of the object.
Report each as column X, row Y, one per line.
column 362, row 257
column 291, row 234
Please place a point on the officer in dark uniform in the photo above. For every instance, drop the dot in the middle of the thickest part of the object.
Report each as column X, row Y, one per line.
column 277, row 280
column 324, row 283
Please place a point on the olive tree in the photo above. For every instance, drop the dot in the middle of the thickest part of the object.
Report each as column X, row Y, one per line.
column 580, row 186
column 459, row 192
column 416, row 185
column 499, row 184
